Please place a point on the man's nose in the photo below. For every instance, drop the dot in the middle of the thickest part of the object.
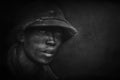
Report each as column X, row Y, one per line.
column 51, row 43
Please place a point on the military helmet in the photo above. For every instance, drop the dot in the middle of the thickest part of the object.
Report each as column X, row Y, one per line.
column 51, row 19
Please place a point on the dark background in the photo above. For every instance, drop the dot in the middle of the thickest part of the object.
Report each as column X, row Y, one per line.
column 93, row 53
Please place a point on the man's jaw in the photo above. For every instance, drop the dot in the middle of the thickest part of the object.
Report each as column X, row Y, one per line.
column 44, row 57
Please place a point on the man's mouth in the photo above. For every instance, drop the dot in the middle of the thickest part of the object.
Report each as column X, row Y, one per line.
column 45, row 54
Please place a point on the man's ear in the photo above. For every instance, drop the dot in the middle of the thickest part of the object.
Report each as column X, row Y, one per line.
column 21, row 38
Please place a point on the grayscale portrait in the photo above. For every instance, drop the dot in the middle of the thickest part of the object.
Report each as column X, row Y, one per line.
column 57, row 40
column 38, row 39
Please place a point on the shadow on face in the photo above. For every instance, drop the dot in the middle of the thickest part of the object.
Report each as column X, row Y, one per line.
column 42, row 45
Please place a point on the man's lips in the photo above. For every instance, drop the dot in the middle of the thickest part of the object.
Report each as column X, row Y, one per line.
column 45, row 53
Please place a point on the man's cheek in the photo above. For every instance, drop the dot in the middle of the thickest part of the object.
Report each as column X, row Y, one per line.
column 35, row 52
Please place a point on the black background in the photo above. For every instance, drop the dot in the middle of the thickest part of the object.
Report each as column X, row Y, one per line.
column 111, row 23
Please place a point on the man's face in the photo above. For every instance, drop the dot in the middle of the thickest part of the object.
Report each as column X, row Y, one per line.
column 42, row 45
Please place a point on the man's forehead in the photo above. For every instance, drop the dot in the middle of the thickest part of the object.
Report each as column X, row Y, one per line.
column 44, row 30
column 49, row 34
column 43, row 33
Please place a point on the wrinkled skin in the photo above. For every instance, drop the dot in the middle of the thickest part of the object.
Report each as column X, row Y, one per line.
column 42, row 46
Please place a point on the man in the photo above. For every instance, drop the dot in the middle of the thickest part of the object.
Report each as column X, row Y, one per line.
column 38, row 42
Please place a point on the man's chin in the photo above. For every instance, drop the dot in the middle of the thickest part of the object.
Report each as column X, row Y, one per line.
column 45, row 60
